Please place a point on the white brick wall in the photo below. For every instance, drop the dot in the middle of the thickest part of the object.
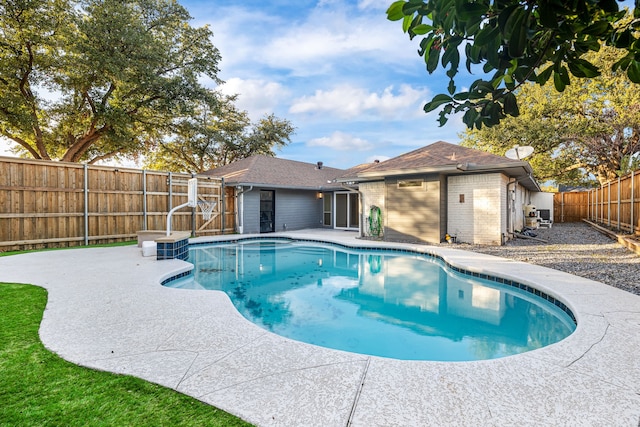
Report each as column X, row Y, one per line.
column 482, row 217
column 373, row 194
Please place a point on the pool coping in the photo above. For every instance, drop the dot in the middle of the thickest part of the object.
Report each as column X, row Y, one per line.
column 107, row 310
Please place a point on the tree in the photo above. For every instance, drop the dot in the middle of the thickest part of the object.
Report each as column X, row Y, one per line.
column 216, row 138
column 87, row 80
column 593, row 127
column 515, row 42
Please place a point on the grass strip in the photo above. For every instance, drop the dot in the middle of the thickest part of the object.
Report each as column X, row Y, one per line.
column 37, row 387
column 100, row 245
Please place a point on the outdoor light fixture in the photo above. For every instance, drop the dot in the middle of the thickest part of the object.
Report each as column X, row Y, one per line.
column 319, row 195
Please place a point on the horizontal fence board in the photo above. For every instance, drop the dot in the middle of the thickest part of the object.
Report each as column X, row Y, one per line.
column 46, row 204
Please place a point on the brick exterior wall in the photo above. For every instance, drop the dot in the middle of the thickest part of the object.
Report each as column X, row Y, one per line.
column 373, row 194
column 477, row 208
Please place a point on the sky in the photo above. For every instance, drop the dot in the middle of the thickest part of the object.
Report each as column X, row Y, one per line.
column 350, row 81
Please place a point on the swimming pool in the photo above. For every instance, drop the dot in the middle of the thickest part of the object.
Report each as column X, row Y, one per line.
column 396, row 304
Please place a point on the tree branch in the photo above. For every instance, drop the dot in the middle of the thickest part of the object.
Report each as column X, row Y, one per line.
column 23, row 143
column 103, row 157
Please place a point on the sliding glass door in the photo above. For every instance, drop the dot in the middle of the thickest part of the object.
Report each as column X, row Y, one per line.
column 347, row 211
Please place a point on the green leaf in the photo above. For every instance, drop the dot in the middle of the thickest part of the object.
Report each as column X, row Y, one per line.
column 452, row 87
column 437, row 101
column 548, row 16
column 472, row 11
column 583, row 68
column 406, row 22
column 491, row 113
column 598, row 28
column 443, row 118
column 485, row 35
column 622, row 39
column 610, row 5
column 451, row 56
column 425, row 45
column 482, row 86
column 504, row 17
column 412, row 6
column 422, row 29
column 473, row 53
column 543, row 77
column 633, row 72
column 518, row 33
column 622, row 64
column 559, row 81
column 470, row 117
column 511, row 105
column 394, row 13
column 433, row 59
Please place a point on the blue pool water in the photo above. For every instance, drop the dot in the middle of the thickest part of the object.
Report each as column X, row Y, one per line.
column 385, row 303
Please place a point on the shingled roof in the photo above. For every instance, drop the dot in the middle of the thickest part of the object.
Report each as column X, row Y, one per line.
column 273, row 172
column 441, row 154
column 446, row 158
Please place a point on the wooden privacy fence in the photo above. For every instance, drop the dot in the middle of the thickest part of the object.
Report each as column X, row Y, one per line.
column 615, row 204
column 53, row 204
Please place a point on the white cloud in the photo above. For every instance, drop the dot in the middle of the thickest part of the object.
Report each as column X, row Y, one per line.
column 347, row 102
column 340, row 141
column 257, row 97
column 332, row 33
column 374, row 4
column 6, row 147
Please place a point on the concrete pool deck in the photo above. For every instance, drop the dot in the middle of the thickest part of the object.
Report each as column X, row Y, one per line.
column 107, row 310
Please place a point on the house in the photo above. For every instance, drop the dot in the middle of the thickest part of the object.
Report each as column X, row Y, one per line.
column 275, row 194
column 422, row 196
column 474, row 196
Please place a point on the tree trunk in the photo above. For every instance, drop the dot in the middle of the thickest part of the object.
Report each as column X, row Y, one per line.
column 80, row 146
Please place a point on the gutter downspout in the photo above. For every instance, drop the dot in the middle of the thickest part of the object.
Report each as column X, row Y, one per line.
column 510, row 205
column 240, row 210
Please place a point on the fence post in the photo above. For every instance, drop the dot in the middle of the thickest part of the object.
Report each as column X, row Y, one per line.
column 86, row 204
column 619, row 204
column 223, row 202
column 595, row 190
column 609, row 204
column 631, row 220
column 170, row 183
column 144, row 199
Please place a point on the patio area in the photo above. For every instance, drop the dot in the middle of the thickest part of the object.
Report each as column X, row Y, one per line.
column 107, row 310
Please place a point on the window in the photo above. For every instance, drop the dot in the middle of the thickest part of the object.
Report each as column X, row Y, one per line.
column 326, row 201
column 409, row 183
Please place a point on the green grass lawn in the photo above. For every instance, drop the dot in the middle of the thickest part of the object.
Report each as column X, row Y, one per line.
column 38, row 388
column 102, row 245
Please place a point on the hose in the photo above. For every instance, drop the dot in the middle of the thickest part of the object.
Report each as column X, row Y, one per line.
column 375, row 221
